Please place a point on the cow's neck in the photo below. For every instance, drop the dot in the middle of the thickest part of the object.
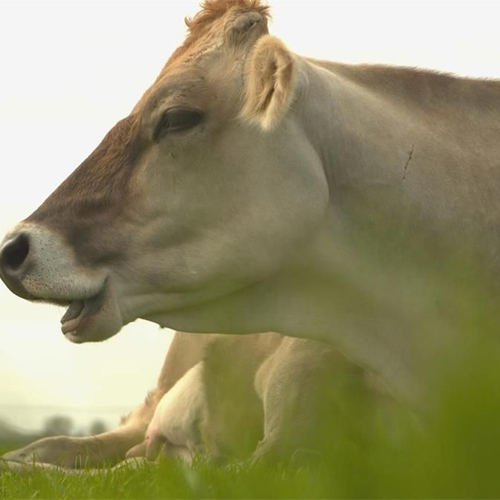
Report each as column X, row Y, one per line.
column 394, row 164
column 374, row 125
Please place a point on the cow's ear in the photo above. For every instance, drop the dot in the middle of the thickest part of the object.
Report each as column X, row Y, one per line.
column 269, row 83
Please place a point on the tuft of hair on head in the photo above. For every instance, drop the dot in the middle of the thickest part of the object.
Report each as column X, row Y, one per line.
column 270, row 83
column 211, row 10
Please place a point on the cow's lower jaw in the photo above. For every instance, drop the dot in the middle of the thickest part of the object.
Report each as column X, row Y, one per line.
column 73, row 317
column 92, row 320
column 80, row 312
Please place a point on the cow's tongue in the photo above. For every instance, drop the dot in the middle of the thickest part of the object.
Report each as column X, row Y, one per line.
column 71, row 319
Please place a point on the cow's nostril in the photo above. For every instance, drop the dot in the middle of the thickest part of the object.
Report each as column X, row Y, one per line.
column 14, row 253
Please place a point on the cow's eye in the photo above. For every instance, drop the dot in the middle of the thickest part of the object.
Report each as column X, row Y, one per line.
column 175, row 120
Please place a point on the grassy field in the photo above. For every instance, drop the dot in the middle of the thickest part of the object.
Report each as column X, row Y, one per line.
column 170, row 480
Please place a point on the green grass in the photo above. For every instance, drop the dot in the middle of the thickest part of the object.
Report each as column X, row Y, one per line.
column 168, row 480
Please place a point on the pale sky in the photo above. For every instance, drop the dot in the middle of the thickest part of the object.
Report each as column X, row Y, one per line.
column 69, row 71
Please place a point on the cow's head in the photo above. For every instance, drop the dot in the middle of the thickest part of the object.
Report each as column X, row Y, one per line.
column 208, row 186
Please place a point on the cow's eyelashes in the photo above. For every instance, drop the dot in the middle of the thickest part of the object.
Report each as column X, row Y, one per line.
column 176, row 120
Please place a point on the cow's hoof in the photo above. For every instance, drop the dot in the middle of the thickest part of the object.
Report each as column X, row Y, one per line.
column 15, row 467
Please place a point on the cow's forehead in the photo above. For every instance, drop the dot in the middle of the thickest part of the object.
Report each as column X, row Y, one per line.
column 208, row 27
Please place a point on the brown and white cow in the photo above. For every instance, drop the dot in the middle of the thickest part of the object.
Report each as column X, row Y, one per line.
column 230, row 200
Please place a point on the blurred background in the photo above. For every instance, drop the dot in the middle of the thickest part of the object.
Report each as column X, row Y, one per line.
column 69, row 72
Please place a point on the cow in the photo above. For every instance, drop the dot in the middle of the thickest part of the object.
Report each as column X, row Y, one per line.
column 252, row 189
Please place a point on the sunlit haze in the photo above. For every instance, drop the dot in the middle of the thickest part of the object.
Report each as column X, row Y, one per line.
column 70, row 71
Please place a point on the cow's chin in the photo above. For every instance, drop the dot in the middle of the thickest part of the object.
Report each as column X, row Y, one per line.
column 94, row 319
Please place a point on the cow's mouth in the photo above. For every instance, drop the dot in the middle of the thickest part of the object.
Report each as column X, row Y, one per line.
column 80, row 313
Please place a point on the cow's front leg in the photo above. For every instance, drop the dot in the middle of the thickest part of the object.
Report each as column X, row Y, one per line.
column 74, row 452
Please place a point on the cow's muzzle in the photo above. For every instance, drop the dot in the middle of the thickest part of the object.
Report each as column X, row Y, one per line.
column 37, row 263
